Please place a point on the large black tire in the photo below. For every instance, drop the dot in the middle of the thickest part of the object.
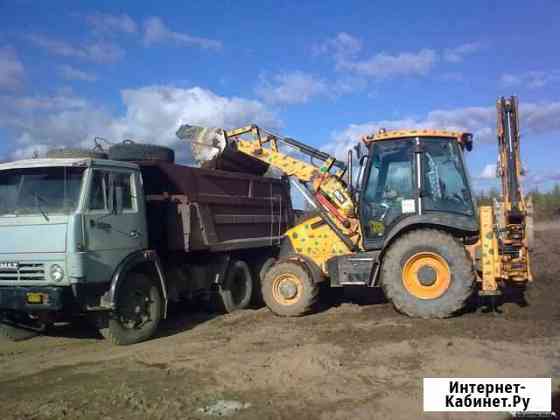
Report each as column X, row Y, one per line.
column 75, row 153
column 288, row 289
column 236, row 291
column 138, row 311
column 130, row 151
column 427, row 273
column 259, row 272
column 14, row 333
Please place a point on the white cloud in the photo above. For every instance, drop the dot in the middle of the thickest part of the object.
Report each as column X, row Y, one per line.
column 290, row 88
column 488, row 173
column 458, row 54
column 11, row 69
column 531, row 79
column 341, row 47
column 71, row 73
column 538, row 118
column 107, row 24
column 345, row 49
column 100, row 52
column 153, row 114
column 299, row 87
column 155, row 31
column 383, row 65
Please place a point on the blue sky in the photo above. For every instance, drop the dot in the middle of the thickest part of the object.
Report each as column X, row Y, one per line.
column 325, row 72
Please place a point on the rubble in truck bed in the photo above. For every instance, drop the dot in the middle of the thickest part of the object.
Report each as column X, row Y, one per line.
column 211, row 150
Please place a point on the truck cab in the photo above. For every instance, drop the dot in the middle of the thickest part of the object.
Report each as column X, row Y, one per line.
column 65, row 226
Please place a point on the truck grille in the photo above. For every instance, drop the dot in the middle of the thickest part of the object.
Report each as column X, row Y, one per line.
column 25, row 271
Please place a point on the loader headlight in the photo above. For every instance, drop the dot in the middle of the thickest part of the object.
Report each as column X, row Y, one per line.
column 56, row 272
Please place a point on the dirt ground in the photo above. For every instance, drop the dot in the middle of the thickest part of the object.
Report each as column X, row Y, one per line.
column 358, row 359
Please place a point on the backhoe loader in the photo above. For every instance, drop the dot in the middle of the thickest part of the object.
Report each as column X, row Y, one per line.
column 409, row 224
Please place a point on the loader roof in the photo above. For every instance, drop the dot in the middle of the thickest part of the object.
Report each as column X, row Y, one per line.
column 383, row 134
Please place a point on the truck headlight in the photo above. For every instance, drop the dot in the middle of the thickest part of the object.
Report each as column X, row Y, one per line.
column 56, row 272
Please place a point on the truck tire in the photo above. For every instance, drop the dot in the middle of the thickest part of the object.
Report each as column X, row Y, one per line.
column 427, row 274
column 75, row 153
column 259, row 272
column 130, row 151
column 14, row 333
column 137, row 313
column 236, row 291
column 288, row 289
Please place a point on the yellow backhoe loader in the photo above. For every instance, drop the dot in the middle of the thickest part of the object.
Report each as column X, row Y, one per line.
column 409, row 224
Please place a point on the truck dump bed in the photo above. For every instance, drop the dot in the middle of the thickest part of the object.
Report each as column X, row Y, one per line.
column 195, row 209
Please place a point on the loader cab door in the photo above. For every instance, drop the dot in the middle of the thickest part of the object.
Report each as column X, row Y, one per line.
column 389, row 191
column 416, row 176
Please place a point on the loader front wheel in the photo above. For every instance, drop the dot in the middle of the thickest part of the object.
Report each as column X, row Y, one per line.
column 288, row 289
column 427, row 274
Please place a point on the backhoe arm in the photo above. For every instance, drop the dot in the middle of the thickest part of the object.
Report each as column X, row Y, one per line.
column 507, row 227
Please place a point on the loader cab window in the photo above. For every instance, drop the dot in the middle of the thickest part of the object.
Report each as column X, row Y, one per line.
column 389, row 191
column 445, row 185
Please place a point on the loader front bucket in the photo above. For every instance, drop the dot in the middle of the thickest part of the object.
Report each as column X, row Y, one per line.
column 212, row 150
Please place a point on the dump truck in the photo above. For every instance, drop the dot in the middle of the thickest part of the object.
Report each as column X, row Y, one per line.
column 409, row 225
column 117, row 238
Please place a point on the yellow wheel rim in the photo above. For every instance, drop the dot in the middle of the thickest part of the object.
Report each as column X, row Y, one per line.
column 426, row 275
column 287, row 289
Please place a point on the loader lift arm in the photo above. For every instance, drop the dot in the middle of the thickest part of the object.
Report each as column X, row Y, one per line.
column 328, row 191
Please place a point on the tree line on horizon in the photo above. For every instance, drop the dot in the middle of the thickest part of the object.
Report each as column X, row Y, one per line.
column 546, row 204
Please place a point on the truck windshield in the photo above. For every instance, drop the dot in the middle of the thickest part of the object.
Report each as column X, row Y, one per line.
column 45, row 191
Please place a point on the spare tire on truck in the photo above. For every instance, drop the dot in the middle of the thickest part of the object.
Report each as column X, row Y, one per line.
column 128, row 150
column 64, row 153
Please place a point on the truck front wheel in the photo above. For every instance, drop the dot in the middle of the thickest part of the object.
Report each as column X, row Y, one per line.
column 137, row 313
column 288, row 289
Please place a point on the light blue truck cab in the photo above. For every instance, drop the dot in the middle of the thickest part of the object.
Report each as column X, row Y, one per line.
column 115, row 241
column 66, row 225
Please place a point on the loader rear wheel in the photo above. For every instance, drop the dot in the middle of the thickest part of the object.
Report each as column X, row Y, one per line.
column 427, row 274
column 288, row 289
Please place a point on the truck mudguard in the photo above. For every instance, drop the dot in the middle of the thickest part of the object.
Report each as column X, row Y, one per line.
column 125, row 266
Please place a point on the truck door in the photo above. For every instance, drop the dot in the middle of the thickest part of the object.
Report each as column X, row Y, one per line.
column 113, row 231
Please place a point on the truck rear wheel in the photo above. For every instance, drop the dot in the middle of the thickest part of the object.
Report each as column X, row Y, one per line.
column 237, row 289
column 137, row 313
column 427, row 274
column 288, row 289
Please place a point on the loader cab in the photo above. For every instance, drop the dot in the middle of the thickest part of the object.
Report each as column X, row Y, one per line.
column 414, row 177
